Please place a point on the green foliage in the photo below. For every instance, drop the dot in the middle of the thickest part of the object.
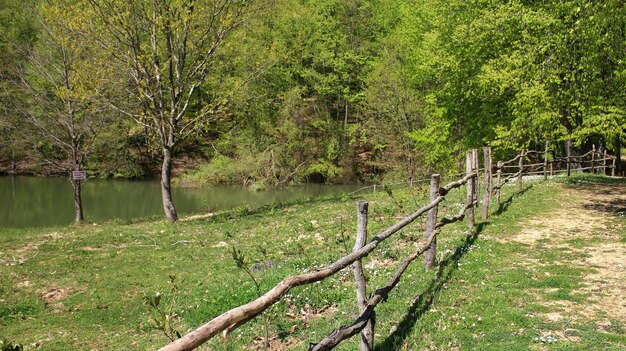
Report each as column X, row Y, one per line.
column 220, row 170
column 257, row 171
column 331, row 90
column 17, row 34
column 324, row 169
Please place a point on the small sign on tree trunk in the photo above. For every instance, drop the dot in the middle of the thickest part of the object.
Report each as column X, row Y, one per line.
column 79, row 175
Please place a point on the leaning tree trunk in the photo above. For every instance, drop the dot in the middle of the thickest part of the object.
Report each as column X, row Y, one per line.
column 166, row 189
column 78, row 201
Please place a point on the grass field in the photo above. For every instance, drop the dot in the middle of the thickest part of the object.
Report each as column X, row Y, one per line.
column 90, row 287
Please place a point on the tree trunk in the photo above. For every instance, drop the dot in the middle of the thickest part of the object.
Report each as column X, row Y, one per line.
column 166, row 189
column 618, row 154
column 13, row 162
column 410, row 169
column 545, row 161
column 78, row 201
column 568, row 149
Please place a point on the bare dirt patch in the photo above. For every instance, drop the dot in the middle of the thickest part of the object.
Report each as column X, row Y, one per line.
column 198, row 216
column 607, row 285
column 275, row 343
column 54, row 235
column 54, row 295
column 586, row 225
column 22, row 284
column 385, row 262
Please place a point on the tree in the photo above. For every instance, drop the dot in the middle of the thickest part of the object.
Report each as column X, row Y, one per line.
column 167, row 48
column 325, row 47
column 529, row 71
column 604, row 35
column 63, row 78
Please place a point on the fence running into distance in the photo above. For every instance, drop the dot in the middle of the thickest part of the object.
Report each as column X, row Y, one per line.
column 593, row 161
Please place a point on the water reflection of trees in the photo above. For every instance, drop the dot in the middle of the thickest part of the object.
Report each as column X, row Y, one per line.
column 31, row 201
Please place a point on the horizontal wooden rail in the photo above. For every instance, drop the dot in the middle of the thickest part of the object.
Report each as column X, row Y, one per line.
column 534, row 173
column 514, row 159
column 587, row 153
column 525, row 165
column 506, row 180
column 459, row 217
column 455, row 184
column 539, row 152
column 382, row 186
column 604, row 159
column 534, row 165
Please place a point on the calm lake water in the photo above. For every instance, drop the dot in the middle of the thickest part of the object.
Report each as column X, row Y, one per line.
column 39, row 202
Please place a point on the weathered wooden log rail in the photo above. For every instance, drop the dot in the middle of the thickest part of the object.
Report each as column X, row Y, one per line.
column 596, row 160
column 365, row 322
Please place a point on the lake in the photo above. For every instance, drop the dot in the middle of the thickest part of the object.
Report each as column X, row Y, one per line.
column 40, row 202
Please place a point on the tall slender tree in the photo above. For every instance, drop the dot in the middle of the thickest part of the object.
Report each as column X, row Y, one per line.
column 63, row 77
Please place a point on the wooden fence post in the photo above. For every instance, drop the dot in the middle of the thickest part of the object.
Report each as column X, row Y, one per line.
column 367, row 335
column 593, row 159
column 545, row 161
column 604, row 161
column 487, row 194
column 551, row 169
column 431, row 221
column 498, row 174
column 569, row 156
column 522, row 155
column 469, row 168
column 477, row 170
column 613, row 167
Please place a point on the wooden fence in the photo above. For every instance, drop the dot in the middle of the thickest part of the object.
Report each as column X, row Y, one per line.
column 364, row 324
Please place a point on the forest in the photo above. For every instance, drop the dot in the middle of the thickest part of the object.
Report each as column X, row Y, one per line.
column 267, row 93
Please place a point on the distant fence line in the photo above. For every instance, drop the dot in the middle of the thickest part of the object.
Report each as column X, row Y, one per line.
column 364, row 323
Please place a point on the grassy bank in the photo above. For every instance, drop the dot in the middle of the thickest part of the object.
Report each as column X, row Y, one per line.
column 89, row 287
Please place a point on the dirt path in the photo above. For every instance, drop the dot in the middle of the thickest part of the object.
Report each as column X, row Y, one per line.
column 588, row 232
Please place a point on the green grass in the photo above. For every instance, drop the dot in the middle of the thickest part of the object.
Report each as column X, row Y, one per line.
column 485, row 297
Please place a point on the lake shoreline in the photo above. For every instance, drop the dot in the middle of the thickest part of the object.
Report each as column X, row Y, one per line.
column 47, row 201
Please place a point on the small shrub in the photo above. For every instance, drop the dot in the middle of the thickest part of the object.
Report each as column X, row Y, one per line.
column 164, row 315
